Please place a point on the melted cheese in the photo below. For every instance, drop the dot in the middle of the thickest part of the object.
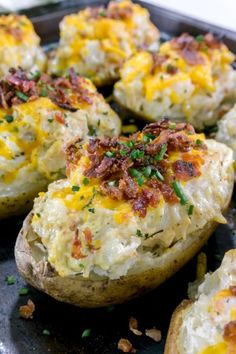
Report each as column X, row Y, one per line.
column 220, row 348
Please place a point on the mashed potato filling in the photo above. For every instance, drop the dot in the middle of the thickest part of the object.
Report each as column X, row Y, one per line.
column 209, row 325
column 98, row 40
column 19, row 45
column 39, row 116
column 188, row 79
column 127, row 200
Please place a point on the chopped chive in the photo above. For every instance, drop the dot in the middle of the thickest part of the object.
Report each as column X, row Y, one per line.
column 50, row 120
column 35, row 75
column 198, row 142
column 138, row 175
column 86, row 333
column 147, row 137
column 92, row 130
column 46, row 332
column 159, row 176
column 137, row 154
column 190, row 210
column 85, row 181
column 75, row 188
column 123, row 152
column 147, row 171
column 38, row 215
column 161, row 153
column 91, row 210
column 180, row 194
column 130, row 144
column 43, row 92
column 139, row 233
column 110, row 154
column 10, row 280
column 172, row 125
column 8, row 118
column 102, row 13
column 199, row 38
column 22, row 96
column 23, row 291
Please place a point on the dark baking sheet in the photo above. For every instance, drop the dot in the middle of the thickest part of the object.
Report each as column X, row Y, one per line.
column 66, row 323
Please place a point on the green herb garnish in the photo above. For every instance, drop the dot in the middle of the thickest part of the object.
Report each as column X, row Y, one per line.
column 85, row 181
column 8, row 118
column 190, row 210
column 112, row 183
column 161, row 153
column 10, row 280
column 147, row 137
column 35, row 75
column 50, row 120
column 147, row 171
column 75, row 188
column 43, row 92
column 86, row 333
column 137, row 154
column 158, row 175
column 46, row 332
column 179, row 192
column 123, row 152
column 23, row 291
column 199, row 38
column 138, row 175
column 22, row 96
column 110, row 154
column 146, row 236
column 91, row 210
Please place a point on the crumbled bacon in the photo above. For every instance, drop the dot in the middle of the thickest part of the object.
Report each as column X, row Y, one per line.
column 26, row 311
column 158, row 60
column 137, row 169
column 16, row 32
column 211, row 41
column 233, row 289
column 153, row 333
column 133, row 326
column 126, row 346
column 119, row 13
column 230, row 332
column 188, row 48
column 64, row 92
column 185, row 170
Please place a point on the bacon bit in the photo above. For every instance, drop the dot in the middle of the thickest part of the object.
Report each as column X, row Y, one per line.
column 88, row 235
column 59, row 118
column 117, row 13
column 76, row 247
column 188, row 48
column 153, row 333
column 158, row 60
column 16, row 32
column 73, row 154
column 233, row 289
column 185, row 170
column 64, row 92
column 230, row 332
column 126, row 346
column 211, row 41
column 135, row 169
column 26, row 311
column 133, row 326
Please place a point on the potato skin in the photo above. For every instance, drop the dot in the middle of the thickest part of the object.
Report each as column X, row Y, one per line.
column 101, row 291
column 175, row 324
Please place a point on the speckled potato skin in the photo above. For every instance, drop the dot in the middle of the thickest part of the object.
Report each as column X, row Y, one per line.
column 100, row 291
column 175, row 324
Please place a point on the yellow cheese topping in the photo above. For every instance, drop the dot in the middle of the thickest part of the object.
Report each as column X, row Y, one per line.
column 159, row 77
column 220, row 348
column 15, row 29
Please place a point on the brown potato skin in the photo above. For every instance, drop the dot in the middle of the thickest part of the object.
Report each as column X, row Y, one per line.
column 171, row 346
column 101, row 291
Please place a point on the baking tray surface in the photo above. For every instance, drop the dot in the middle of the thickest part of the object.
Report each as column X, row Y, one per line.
column 64, row 324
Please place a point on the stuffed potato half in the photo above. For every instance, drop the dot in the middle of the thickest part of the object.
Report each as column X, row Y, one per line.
column 130, row 213
column 208, row 324
column 190, row 78
column 39, row 115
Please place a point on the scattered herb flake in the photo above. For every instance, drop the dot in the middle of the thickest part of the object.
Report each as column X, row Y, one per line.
column 179, row 192
column 137, row 154
column 23, row 291
column 190, row 209
column 123, row 152
column 10, row 280
column 160, row 155
column 50, row 120
column 109, row 153
column 199, row 38
column 91, row 210
column 22, row 96
column 85, row 181
column 75, row 188
column 46, row 332
column 86, row 333
column 8, row 118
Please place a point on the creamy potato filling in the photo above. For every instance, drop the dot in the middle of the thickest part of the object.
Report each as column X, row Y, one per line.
column 19, row 44
column 210, row 324
column 97, row 41
column 188, row 78
column 127, row 200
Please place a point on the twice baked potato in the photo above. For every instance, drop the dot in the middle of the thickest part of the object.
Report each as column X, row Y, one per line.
column 131, row 212
column 97, row 41
column 188, row 79
column 207, row 325
column 227, row 130
column 39, row 115
column 19, row 45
